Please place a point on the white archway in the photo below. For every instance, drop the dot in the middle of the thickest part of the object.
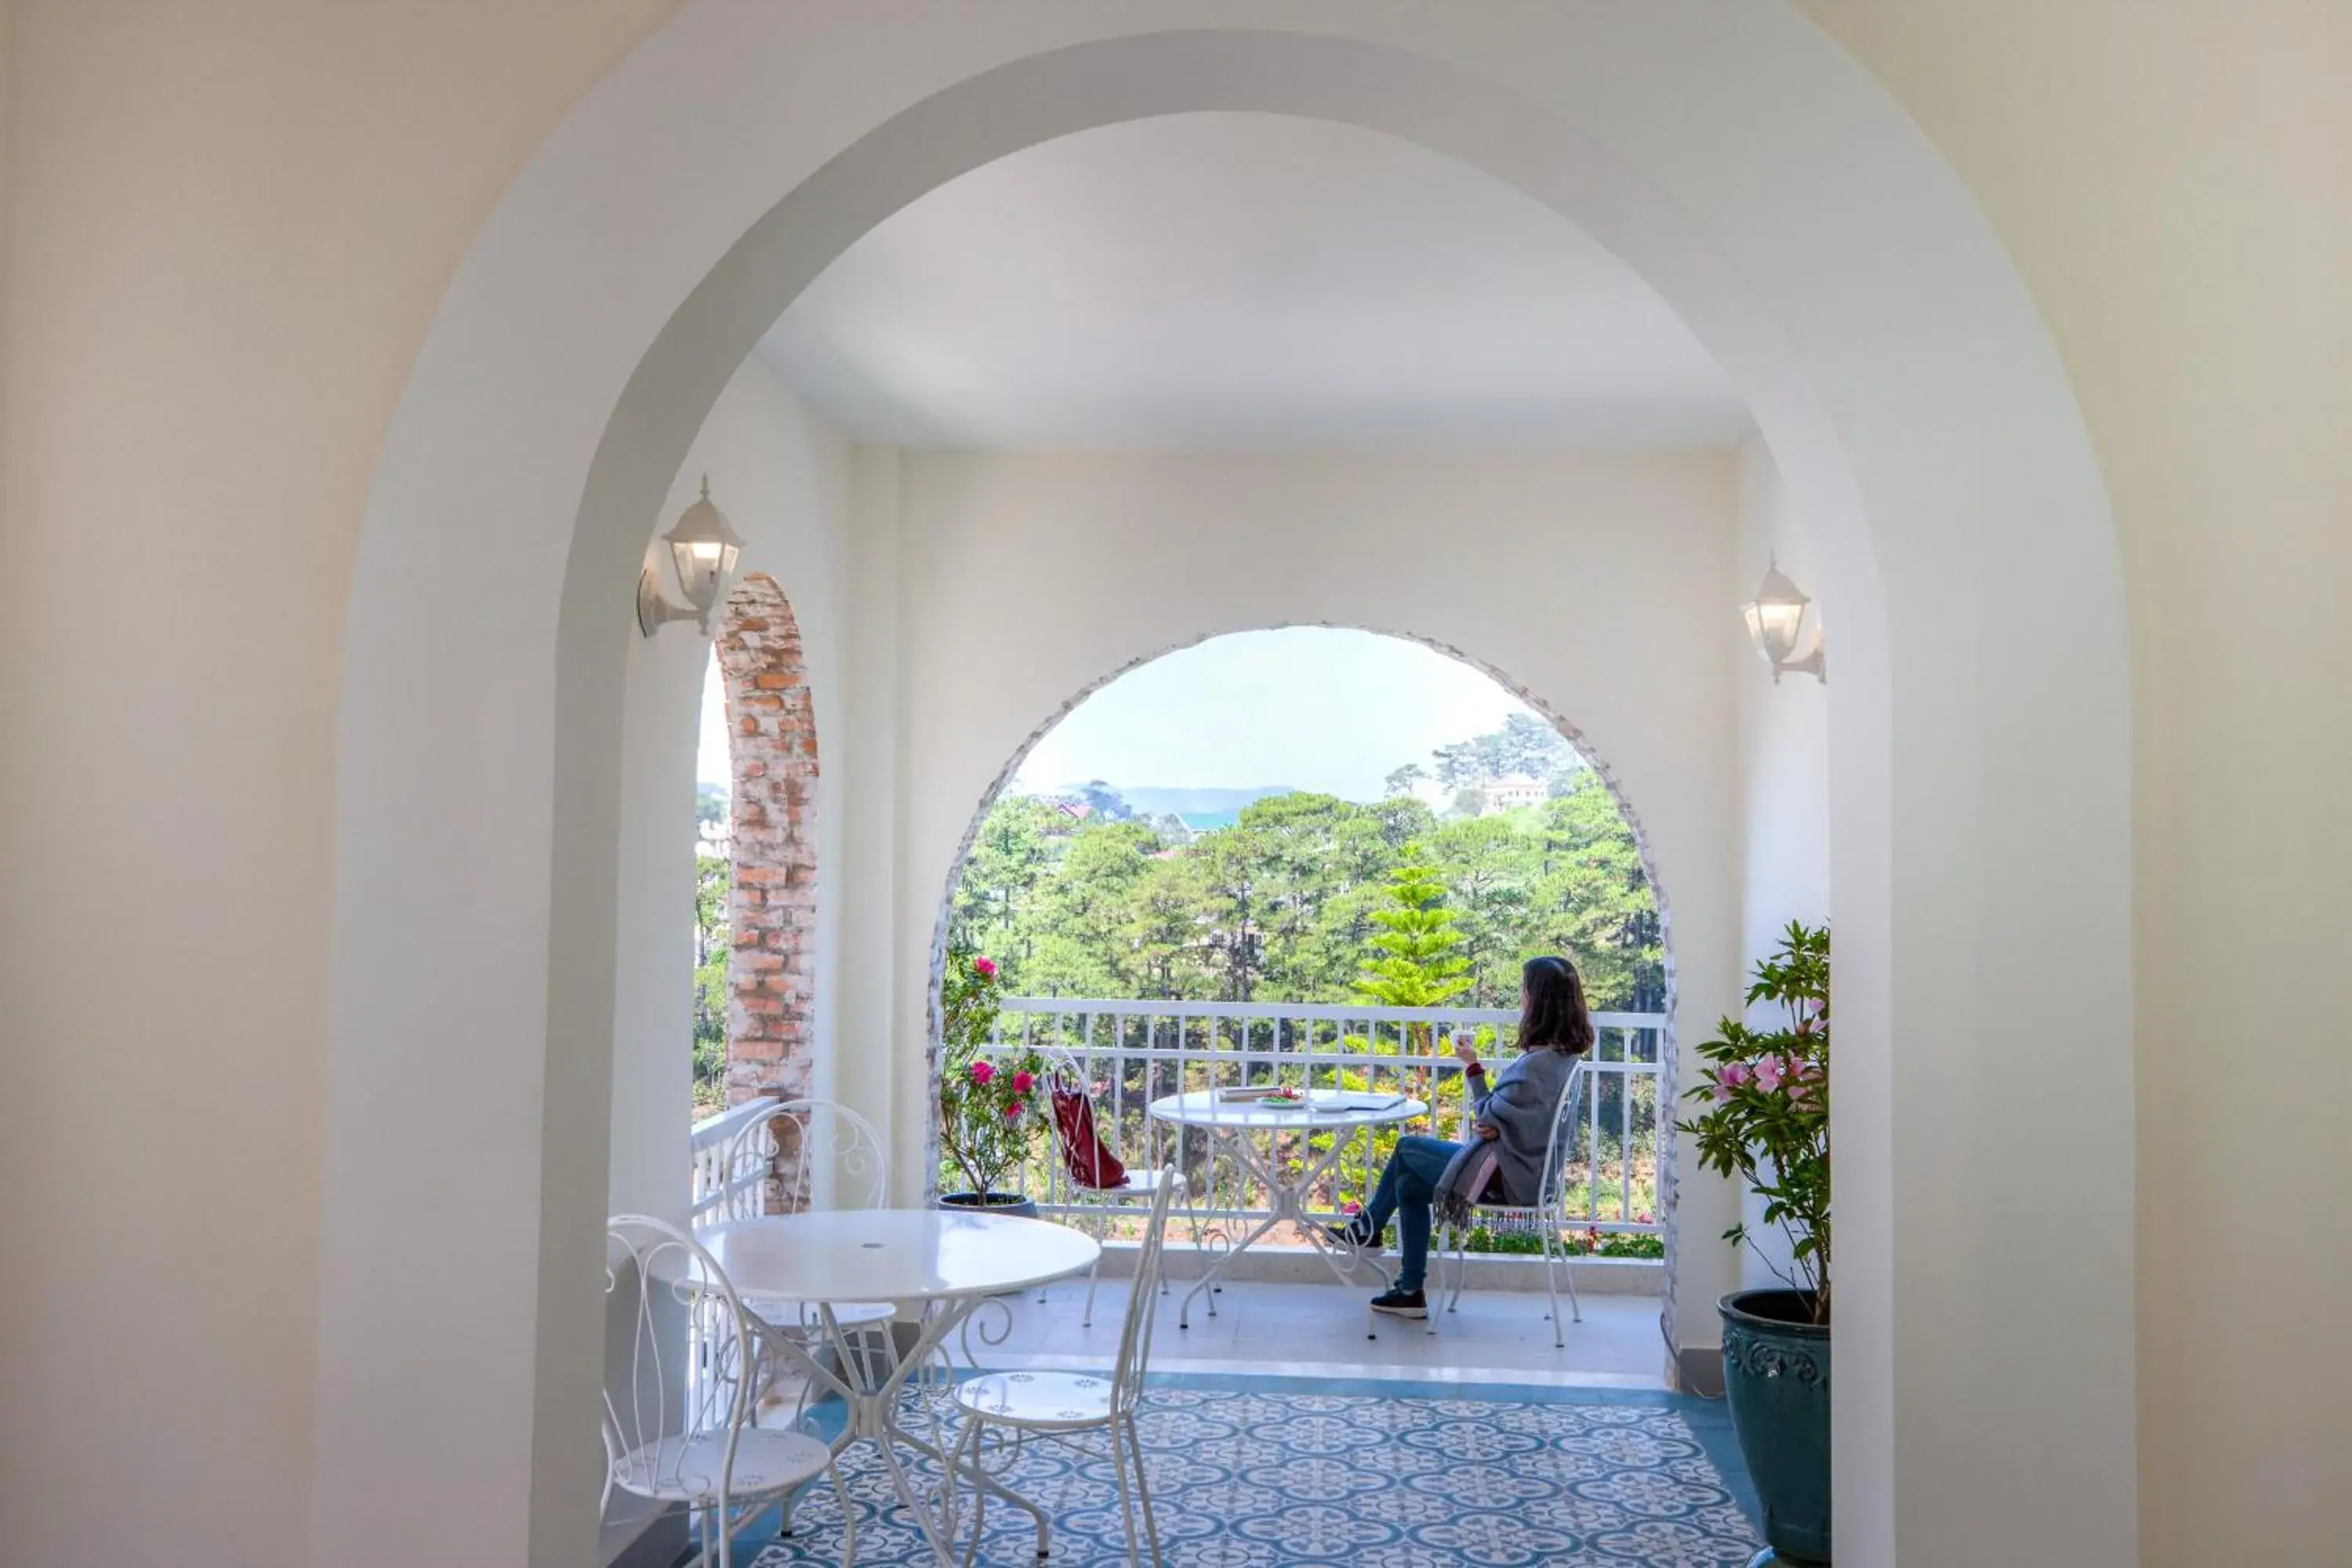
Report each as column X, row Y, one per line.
column 1753, row 176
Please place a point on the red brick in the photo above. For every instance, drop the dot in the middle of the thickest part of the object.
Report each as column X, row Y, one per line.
column 773, row 738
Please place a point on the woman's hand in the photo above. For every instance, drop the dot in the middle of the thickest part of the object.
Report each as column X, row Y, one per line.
column 1488, row 1131
column 1466, row 1045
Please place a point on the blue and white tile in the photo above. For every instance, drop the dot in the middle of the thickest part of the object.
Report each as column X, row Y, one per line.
column 1267, row 1473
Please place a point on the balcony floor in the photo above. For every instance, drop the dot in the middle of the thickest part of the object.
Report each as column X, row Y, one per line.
column 1279, row 1436
column 1318, row 1331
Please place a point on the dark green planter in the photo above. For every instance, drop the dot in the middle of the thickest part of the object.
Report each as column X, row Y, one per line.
column 1018, row 1205
column 1776, row 1373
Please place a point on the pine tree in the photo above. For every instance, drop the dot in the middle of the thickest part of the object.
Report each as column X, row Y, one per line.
column 1416, row 966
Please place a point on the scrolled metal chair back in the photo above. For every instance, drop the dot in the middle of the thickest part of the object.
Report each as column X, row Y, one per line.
column 1551, row 1199
column 816, row 1153
column 691, row 1348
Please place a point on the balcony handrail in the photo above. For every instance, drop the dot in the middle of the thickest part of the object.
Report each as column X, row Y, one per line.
column 1313, row 1057
column 1155, row 1045
column 1325, row 1012
column 712, row 1139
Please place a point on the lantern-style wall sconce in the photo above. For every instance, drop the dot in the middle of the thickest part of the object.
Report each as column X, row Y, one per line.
column 1776, row 617
column 704, row 550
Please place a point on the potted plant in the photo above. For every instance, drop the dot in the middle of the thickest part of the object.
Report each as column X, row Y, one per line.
column 989, row 1107
column 1767, row 1124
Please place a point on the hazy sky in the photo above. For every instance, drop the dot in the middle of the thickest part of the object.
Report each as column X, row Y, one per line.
column 1308, row 707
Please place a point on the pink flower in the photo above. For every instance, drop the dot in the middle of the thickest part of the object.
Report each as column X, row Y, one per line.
column 1734, row 1073
column 1014, row 1112
column 1722, row 1091
column 1351, row 1208
column 982, row 1071
column 984, row 967
column 1767, row 1074
column 1023, row 1083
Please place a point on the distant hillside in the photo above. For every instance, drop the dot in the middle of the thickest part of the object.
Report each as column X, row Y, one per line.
column 1152, row 801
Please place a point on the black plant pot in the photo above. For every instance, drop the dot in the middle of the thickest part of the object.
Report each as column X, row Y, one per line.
column 1776, row 1373
column 1021, row 1205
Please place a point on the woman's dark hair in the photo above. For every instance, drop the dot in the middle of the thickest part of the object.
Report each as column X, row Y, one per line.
column 1554, row 1014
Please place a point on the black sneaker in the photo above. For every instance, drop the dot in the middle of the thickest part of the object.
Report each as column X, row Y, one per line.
column 1358, row 1235
column 1402, row 1304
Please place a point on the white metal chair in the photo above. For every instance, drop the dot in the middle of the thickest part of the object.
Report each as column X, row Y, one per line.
column 1547, row 1217
column 1141, row 1186
column 680, row 1431
column 814, row 1154
column 1065, row 1407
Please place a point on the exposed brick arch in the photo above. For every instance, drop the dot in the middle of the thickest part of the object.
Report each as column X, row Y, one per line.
column 771, row 912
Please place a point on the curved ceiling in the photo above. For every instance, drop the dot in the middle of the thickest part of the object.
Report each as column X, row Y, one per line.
column 1227, row 279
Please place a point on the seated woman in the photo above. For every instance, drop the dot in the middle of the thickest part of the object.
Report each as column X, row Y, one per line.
column 1513, row 1123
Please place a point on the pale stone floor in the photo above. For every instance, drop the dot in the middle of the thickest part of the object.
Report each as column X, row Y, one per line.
column 1495, row 1337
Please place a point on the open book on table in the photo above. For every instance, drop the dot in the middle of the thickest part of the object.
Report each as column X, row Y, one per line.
column 1353, row 1100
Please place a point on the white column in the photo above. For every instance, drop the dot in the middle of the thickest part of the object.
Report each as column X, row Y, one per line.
column 868, row 1035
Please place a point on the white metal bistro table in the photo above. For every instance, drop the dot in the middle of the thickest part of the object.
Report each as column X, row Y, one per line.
column 1237, row 1128
column 949, row 1262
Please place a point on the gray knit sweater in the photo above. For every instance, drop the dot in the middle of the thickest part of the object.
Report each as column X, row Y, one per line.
column 1519, row 1105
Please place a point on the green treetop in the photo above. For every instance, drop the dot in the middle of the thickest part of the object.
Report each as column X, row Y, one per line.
column 1416, row 966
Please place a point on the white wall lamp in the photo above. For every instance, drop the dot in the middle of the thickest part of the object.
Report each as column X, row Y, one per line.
column 1775, row 617
column 704, row 550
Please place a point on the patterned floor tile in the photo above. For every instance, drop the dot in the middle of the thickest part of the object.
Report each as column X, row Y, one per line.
column 1251, row 1473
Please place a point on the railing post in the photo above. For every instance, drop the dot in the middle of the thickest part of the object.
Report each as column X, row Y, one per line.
column 1315, row 1043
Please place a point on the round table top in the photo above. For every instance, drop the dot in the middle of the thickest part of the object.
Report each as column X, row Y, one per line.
column 894, row 1255
column 1201, row 1108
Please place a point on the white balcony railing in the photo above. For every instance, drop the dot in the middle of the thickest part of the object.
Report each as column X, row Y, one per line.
column 1133, row 1052
column 721, row 1171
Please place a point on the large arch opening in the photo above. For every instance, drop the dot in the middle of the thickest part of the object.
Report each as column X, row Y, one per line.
column 1980, row 732
column 1260, row 900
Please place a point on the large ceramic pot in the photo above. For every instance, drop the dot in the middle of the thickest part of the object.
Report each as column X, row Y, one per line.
column 1776, row 1373
column 1019, row 1205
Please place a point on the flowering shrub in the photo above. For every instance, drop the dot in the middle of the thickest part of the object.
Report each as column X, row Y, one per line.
column 989, row 1108
column 1767, row 1117
column 1591, row 1242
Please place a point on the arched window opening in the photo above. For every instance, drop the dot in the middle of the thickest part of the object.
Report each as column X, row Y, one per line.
column 1308, row 855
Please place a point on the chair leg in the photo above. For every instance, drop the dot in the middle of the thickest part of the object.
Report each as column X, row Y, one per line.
column 949, row 1501
column 1551, row 1286
column 1126, row 1503
column 979, row 1500
column 1094, row 1277
column 848, row 1515
column 1143, row 1490
column 1568, row 1272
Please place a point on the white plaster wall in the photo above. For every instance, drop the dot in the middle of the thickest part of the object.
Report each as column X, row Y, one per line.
column 1784, row 777
column 872, row 1038
column 780, row 473
column 1599, row 582
column 2175, row 183
column 1745, row 169
column 229, row 229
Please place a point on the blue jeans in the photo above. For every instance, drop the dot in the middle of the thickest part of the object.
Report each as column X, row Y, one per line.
column 1405, row 1189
